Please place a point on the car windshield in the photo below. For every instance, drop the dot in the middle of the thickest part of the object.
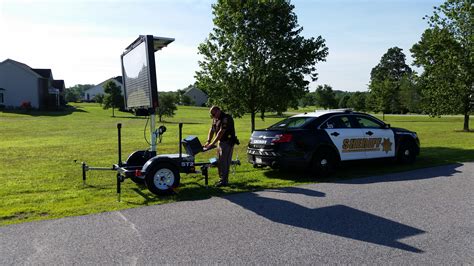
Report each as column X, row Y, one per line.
column 292, row 122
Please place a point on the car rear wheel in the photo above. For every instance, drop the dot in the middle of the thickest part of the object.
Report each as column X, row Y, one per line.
column 406, row 153
column 324, row 163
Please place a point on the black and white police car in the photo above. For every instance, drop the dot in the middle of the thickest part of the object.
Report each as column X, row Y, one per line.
column 321, row 139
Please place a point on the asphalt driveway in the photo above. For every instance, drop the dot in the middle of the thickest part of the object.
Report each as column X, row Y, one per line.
column 419, row 217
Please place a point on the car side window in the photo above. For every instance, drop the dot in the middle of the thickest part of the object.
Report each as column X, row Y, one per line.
column 337, row 122
column 366, row 122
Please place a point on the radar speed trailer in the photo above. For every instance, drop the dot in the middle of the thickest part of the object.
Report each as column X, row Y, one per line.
column 159, row 172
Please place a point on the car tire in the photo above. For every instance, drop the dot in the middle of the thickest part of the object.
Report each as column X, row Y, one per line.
column 324, row 163
column 162, row 179
column 406, row 153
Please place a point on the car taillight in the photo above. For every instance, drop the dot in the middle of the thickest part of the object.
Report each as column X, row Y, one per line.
column 281, row 138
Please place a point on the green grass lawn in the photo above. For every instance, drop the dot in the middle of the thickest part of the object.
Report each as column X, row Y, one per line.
column 40, row 180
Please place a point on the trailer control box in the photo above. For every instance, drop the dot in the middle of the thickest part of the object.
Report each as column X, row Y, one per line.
column 192, row 145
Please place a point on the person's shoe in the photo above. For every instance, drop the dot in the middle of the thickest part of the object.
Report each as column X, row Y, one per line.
column 220, row 184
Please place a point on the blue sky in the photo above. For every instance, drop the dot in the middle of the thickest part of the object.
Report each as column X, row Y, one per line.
column 82, row 40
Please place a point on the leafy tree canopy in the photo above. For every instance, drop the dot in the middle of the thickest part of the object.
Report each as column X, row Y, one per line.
column 255, row 59
column 113, row 97
column 445, row 53
column 325, row 97
column 385, row 79
column 167, row 105
column 76, row 92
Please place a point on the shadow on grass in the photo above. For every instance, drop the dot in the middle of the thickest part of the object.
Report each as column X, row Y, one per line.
column 178, row 122
column 433, row 163
column 66, row 111
column 429, row 157
column 129, row 117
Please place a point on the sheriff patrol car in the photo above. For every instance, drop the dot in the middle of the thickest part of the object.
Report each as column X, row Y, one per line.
column 321, row 139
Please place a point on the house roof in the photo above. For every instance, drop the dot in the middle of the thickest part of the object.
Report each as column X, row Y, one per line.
column 23, row 66
column 44, row 72
column 58, row 84
column 193, row 88
column 118, row 79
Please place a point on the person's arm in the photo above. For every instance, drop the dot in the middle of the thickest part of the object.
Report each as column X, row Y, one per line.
column 209, row 136
column 217, row 138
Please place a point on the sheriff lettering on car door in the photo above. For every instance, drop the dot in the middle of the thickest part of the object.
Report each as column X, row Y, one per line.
column 359, row 137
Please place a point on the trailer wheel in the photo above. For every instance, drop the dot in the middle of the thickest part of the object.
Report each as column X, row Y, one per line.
column 162, row 179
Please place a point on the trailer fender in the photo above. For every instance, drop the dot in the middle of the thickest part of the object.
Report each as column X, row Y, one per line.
column 159, row 159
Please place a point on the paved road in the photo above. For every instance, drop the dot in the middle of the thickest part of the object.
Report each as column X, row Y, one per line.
column 418, row 217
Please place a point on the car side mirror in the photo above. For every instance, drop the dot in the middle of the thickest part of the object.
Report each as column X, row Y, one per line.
column 387, row 126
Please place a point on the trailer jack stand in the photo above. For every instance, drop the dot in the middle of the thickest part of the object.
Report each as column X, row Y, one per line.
column 120, row 179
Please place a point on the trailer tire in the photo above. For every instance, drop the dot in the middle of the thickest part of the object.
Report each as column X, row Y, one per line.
column 162, row 179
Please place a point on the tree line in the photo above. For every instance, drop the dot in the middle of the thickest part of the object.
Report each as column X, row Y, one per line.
column 256, row 61
column 113, row 98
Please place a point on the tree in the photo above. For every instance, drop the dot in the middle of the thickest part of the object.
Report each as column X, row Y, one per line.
column 166, row 105
column 410, row 97
column 186, row 100
column 343, row 101
column 385, row 79
column 113, row 97
column 445, row 53
column 308, row 100
column 357, row 101
column 325, row 97
column 76, row 92
column 99, row 98
column 255, row 60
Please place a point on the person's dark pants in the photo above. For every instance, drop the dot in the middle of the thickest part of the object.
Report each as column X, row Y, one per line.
column 224, row 155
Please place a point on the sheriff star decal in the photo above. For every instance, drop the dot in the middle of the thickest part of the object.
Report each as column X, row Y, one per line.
column 386, row 145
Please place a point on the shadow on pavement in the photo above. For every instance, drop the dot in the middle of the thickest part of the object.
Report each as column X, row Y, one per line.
column 339, row 220
column 426, row 173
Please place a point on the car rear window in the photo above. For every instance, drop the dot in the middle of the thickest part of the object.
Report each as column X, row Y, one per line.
column 292, row 122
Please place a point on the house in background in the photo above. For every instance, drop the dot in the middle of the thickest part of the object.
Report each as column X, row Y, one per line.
column 90, row 93
column 21, row 84
column 198, row 96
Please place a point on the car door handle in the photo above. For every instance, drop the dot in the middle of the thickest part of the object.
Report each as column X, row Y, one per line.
column 335, row 134
column 370, row 133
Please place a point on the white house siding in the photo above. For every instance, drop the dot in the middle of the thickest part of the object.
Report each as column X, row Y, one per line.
column 99, row 89
column 19, row 84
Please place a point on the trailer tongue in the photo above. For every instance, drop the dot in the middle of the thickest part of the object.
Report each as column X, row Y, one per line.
column 160, row 173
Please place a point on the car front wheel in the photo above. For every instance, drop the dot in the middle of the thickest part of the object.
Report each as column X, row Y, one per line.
column 406, row 153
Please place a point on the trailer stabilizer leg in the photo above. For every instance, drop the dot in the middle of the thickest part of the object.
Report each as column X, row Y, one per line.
column 119, row 190
column 205, row 173
column 84, row 166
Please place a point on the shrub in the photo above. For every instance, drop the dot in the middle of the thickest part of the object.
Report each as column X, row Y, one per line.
column 26, row 105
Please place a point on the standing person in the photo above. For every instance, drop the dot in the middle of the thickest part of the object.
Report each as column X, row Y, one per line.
column 222, row 132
